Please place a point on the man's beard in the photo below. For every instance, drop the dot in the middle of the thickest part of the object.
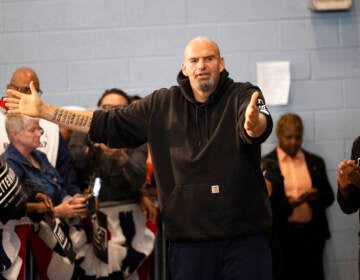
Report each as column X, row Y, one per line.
column 206, row 85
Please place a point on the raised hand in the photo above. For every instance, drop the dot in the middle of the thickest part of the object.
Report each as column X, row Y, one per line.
column 22, row 103
column 255, row 123
column 348, row 174
column 32, row 105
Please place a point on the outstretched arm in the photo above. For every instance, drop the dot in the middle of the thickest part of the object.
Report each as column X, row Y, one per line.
column 255, row 122
column 32, row 105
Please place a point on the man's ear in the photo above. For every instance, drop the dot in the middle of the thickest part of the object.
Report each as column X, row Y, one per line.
column 183, row 69
column 222, row 64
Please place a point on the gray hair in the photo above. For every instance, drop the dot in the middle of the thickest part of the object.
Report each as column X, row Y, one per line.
column 17, row 123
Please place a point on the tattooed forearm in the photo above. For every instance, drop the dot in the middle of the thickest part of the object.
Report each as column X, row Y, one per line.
column 69, row 118
column 88, row 122
column 74, row 120
column 64, row 117
column 58, row 114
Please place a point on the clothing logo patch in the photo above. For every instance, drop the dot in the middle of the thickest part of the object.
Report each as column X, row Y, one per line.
column 215, row 189
column 262, row 107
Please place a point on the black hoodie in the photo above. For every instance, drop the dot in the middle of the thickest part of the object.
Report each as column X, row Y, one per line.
column 206, row 166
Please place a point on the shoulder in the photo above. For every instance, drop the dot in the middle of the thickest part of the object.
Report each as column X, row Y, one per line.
column 243, row 92
column 243, row 88
column 270, row 161
column 14, row 161
column 313, row 159
column 357, row 140
column 160, row 98
column 10, row 152
column 270, row 155
column 356, row 143
column 167, row 93
column 311, row 155
column 6, row 154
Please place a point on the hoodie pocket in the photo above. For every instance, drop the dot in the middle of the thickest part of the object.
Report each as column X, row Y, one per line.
column 197, row 211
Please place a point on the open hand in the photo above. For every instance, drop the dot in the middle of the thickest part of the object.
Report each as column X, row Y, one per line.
column 348, row 174
column 22, row 103
column 255, row 122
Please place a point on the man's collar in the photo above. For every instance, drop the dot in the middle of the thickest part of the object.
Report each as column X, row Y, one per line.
column 284, row 156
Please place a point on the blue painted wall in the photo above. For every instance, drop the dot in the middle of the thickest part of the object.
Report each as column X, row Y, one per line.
column 81, row 47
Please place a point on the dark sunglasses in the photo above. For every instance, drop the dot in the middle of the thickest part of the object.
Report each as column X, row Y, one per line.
column 26, row 90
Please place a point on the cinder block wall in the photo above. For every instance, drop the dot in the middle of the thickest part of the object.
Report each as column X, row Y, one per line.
column 81, row 47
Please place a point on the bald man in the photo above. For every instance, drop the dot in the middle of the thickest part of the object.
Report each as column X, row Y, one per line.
column 50, row 140
column 204, row 135
column 52, row 143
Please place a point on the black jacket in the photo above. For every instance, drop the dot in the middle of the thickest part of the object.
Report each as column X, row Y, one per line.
column 318, row 227
column 197, row 149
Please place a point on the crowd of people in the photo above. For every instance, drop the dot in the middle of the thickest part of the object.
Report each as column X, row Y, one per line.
column 57, row 168
column 90, row 194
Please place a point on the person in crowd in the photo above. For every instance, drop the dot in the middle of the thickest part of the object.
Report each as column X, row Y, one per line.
column 122, row 174
column 204, row 136
column 33, row 168
column 122, row 171
column 300, row 194
column 135, row 98
column 19, row 206
column 37, row 174
column 348, row 177
column 18, row 201
column 52, row 144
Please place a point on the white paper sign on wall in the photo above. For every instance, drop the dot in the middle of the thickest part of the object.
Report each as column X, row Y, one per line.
column 329, row 5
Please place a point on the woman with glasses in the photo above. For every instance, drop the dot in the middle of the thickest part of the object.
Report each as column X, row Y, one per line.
column 36, row 173
column 52, row 144
column 33, row 168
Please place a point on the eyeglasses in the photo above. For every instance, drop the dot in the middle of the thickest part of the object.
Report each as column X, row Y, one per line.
column 26, row 90
column 33, row 130
column 108, row 107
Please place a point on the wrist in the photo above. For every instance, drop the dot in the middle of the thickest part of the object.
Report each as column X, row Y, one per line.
column 344, row 190
column 57, row 211
column 258, row 129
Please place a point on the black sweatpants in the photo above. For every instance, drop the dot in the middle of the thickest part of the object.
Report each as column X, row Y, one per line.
column 247, row 258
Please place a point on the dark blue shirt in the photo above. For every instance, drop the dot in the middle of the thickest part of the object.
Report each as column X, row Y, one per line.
column 46, row 179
